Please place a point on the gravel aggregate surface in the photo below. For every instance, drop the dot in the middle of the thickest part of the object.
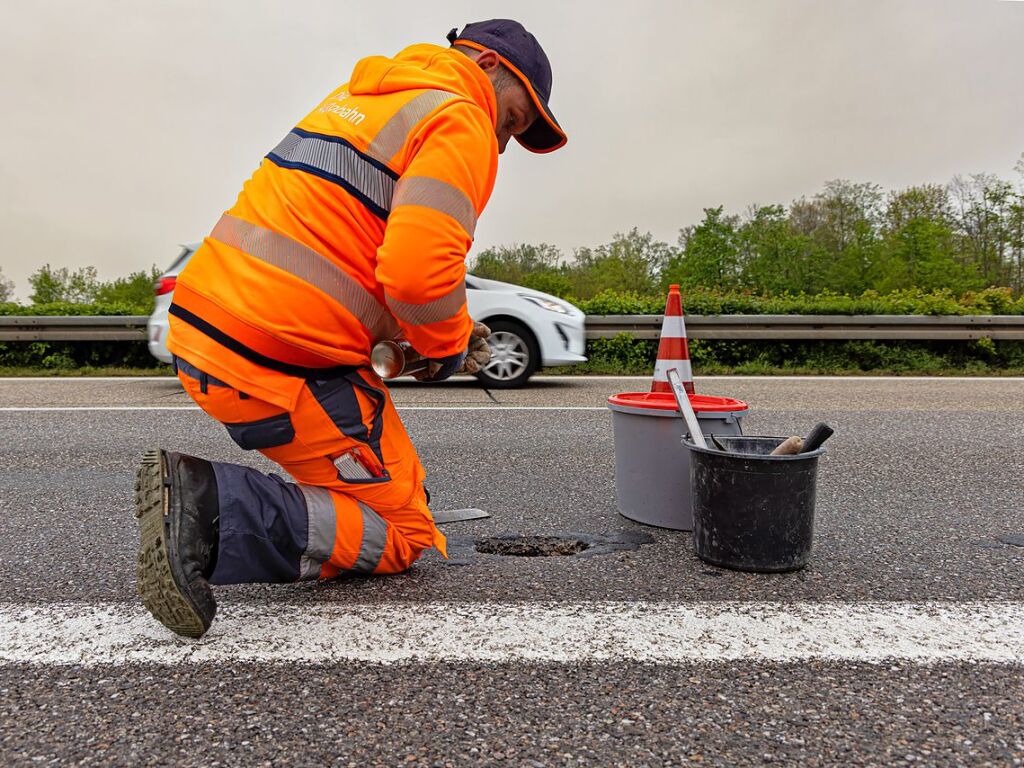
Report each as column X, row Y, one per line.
column 534, row 715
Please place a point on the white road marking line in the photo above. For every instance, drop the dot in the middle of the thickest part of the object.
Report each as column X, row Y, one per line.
column 399, row 406
column 81, row 379
column 570, row 377
column 65, row 408
column 661, row 633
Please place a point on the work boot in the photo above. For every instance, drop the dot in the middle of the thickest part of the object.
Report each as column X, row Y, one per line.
column 177, row 507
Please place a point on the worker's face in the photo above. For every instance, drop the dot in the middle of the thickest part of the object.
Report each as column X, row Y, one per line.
column 516, row 113
column 516, row 110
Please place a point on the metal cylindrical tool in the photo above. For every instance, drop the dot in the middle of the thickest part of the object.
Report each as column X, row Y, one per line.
column 391, row 359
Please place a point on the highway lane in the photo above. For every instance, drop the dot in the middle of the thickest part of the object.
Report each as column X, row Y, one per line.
column 913, row 504
column 877, row 394
column 920, row 488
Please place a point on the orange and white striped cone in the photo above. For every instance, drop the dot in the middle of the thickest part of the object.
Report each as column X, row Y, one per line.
column 673, row 351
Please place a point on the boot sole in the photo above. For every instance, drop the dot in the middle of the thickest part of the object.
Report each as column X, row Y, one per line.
column 157, row 587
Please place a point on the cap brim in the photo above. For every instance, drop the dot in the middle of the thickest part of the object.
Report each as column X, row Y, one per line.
column 544, row 134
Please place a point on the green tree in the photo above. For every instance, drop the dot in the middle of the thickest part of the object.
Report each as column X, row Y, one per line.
column 921, row 254
column 919, row 246
column 6, row 288
column 774, row 257
column 53, row 285
column 1015, row 228
column 983, row 211
column 631, row 262
column 534, row 266
column 843, row 221
column 135, row 289
column 709, row 255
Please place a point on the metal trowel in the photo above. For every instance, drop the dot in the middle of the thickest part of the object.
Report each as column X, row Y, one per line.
column 458, row 515
column 683, row 401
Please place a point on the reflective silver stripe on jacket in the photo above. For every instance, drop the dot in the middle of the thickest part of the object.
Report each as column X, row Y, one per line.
column 375, row 539
column 340, row 160
column 392, row 137
column 434, row 311
column 321, row 531
column 306, row 264
column 437, row 195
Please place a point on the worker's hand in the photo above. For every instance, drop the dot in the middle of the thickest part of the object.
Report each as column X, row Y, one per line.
column 479, row 352
column 428, row 373
column 439, row 370
column 471, row 361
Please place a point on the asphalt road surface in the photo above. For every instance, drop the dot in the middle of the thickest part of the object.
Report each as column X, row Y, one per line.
column 902, row 642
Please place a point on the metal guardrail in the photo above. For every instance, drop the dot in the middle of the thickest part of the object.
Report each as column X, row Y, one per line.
column 735, row 327
column 818, row 327
column 81, row 328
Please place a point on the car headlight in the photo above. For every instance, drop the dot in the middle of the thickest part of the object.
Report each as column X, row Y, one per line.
column 548, row 304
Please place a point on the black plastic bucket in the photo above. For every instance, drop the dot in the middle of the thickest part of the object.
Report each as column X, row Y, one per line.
column 752, row 511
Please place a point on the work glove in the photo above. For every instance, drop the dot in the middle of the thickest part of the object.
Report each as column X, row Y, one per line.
column 441, row 369
column 472, row 360
column 479, row 352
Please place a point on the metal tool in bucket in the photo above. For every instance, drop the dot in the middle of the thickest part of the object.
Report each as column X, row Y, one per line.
column 683, row 401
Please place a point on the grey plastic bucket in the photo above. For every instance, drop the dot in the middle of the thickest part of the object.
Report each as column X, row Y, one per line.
column 652, row 466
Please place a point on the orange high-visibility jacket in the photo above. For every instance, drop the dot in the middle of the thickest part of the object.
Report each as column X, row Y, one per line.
column 354, row 228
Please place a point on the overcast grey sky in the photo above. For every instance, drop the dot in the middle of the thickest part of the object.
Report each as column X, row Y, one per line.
column 128, row 127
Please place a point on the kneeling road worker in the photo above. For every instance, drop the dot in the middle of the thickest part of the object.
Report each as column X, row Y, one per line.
column 354, row 229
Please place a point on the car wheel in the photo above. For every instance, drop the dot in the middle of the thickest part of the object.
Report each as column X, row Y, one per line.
column 515, row 356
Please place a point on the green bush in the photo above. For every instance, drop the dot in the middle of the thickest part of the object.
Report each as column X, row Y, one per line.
column 62, row 308
column 625, row 355
column 991, row 301
column 72, row 355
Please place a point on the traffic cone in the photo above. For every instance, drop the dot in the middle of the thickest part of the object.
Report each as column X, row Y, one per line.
column 672, row 349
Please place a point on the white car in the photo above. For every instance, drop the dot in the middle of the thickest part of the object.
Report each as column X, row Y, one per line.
column 529, row 329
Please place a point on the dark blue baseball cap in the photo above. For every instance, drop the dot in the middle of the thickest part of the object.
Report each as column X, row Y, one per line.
column 522, row 54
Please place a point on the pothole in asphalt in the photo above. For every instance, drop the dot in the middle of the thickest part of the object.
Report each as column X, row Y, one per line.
column 531, row 546
column 558, row 545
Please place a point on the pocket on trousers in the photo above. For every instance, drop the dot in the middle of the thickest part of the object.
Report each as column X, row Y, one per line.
column 265, row 433
column 360, row 467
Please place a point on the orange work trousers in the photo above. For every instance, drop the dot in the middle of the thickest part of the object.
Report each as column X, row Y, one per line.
column 358, row 504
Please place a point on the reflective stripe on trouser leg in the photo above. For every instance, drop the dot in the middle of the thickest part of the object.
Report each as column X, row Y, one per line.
column 323, row 530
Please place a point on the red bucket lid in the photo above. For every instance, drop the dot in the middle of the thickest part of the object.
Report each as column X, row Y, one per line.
column 666, row 401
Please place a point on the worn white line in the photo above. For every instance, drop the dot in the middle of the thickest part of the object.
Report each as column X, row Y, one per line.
column 66, row 408
column 661, row 633
column 81, row 379
column 698, row 377
column 399, row 406
column 570, row 377
column 858, row 379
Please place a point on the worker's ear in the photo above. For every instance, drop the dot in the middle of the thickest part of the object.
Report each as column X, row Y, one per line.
column 488, row 60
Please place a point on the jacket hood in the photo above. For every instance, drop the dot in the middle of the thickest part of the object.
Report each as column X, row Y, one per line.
column 425, row 66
